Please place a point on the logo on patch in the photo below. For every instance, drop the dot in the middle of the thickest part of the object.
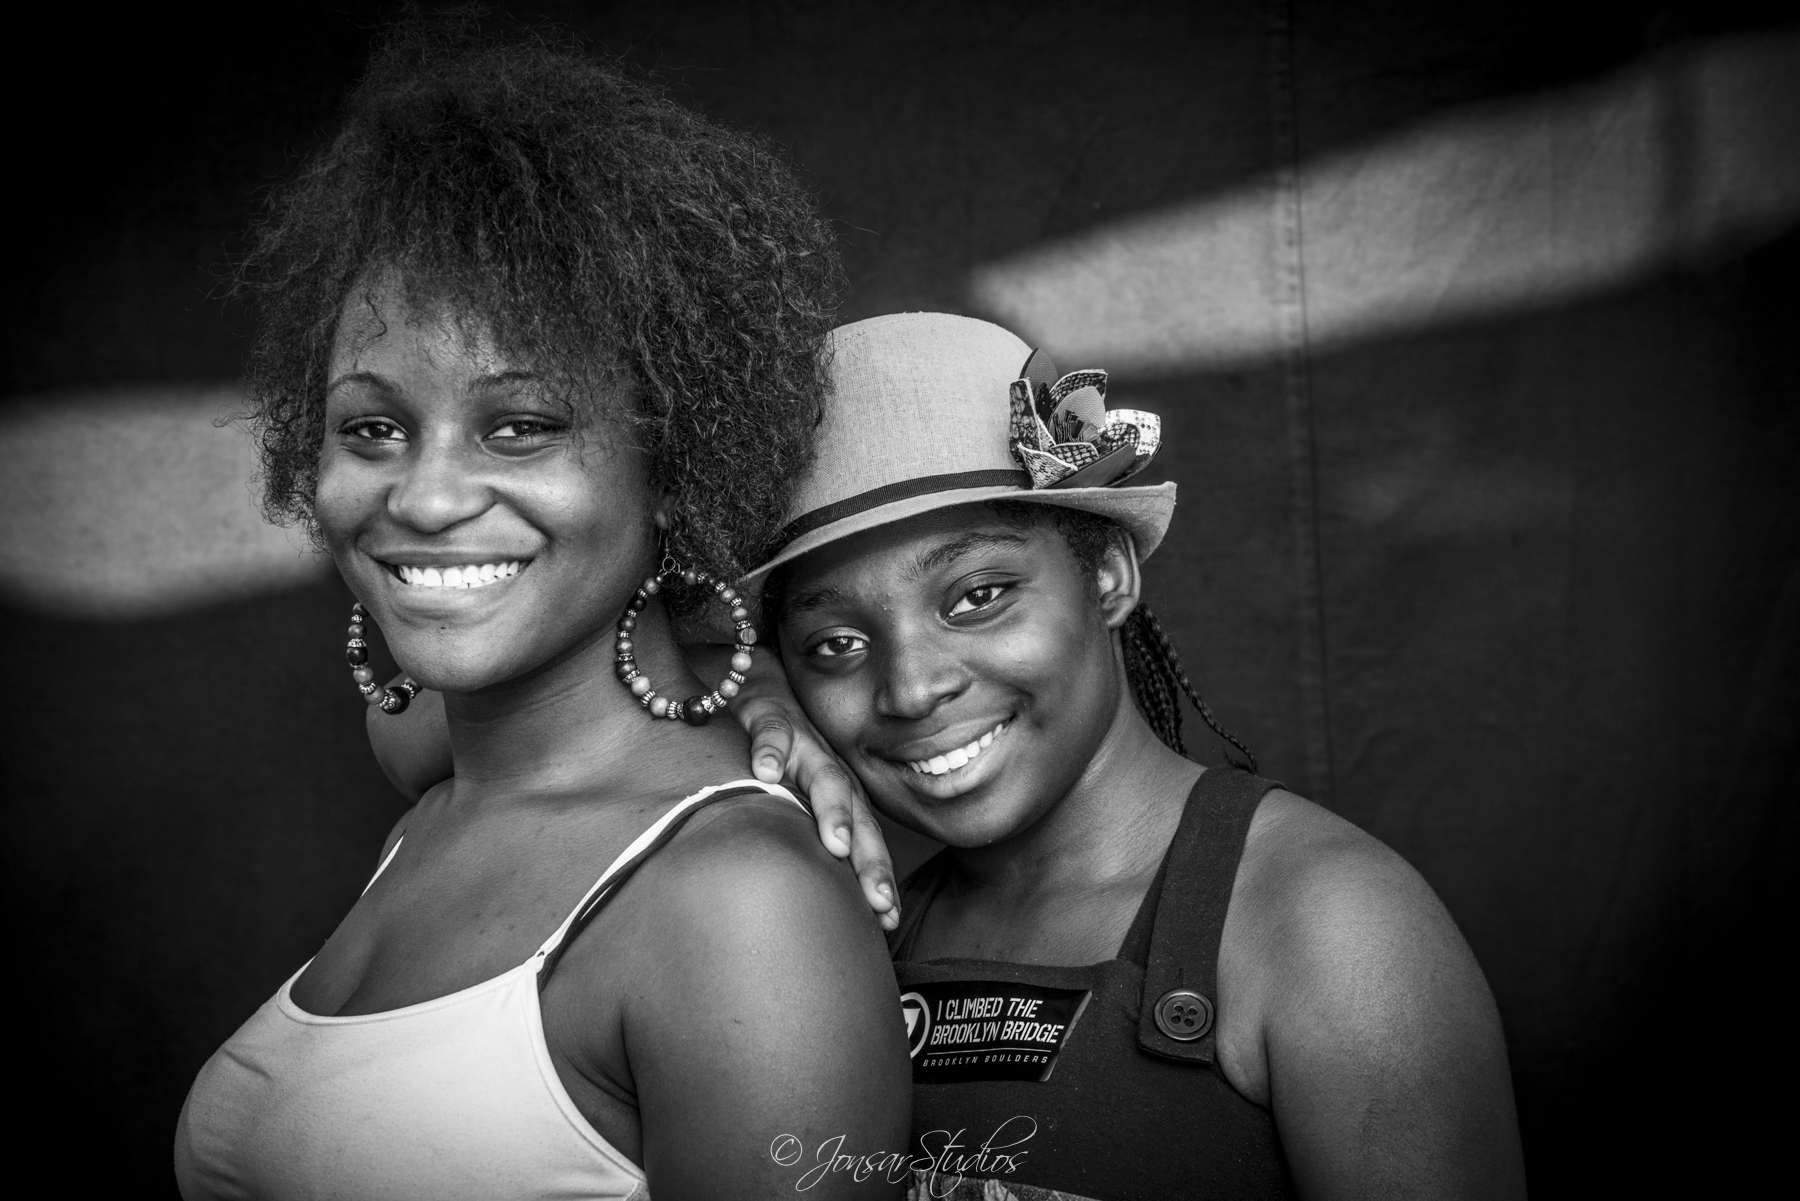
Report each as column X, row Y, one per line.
column 917, row 1013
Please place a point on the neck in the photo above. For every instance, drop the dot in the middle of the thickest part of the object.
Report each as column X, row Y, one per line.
column 570, row 726
column 1111, row 826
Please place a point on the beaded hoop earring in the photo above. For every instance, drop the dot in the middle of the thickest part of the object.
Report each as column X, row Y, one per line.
column 696, row 710
column 393, row 700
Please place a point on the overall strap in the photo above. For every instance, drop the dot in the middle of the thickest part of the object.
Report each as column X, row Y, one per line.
column 916, row 895
column 658, row 835
column 1180, row 997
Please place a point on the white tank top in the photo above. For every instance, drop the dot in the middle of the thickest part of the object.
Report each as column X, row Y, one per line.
column 450, row 1099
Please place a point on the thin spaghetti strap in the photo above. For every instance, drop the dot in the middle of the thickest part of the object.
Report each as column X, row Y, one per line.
column 385, row 860
column 641, row 847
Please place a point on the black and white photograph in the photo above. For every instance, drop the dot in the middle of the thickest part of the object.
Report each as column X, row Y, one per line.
column 985, row 601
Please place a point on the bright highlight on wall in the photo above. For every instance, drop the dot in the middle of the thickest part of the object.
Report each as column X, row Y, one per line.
column 134, row 505
column 1515, row 207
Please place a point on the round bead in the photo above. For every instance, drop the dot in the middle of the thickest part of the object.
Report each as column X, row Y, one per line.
column 624, row 667
column 728, row 595
column 627, row 624
column 727, row 689
column 741, row 662
column 394, row 701
column 740, row 614
column 747, row 636
column 640, row 685
column 651, row 586
column 638, row 602
column 363, row 675
column 356, row 631
column 659, row 706
column 622, row 645
column 356, row 656
column 690, row 577
column 693, row 712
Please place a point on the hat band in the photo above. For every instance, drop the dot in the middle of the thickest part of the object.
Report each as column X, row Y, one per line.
column 806, row 523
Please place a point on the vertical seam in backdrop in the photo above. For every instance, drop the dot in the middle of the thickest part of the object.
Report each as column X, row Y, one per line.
column 1303, row 463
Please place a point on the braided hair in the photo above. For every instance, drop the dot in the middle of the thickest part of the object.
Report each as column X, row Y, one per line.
column 1152, row 666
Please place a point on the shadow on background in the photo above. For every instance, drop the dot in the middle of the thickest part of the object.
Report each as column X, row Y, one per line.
column 1476, row 379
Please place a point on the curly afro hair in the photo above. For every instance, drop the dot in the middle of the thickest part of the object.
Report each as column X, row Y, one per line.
column 596, row 230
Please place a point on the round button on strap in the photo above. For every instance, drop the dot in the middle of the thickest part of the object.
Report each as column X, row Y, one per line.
column 1184, row 1015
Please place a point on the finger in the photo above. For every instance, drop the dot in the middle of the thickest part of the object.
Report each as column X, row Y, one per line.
column 834, row 795
column 874, row 866
column 771, row 745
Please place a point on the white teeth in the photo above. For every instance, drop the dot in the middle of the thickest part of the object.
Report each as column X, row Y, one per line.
column 950, row 761
column 471, row 576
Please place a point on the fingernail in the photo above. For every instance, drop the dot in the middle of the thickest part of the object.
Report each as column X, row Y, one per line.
column 886, row 890
column 842, row 834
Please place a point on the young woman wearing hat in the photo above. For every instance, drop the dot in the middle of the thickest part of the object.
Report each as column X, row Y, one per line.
column 533, row 334
column 1126, row 976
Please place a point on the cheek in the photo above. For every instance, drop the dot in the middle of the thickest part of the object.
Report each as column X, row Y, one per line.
column 347, row 495
column 835, row 706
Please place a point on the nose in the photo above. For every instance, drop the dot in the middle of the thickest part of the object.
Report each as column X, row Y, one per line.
column 919, row 676
column 439, row 488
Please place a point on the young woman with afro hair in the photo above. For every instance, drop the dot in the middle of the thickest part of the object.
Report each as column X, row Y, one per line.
column 532, row 337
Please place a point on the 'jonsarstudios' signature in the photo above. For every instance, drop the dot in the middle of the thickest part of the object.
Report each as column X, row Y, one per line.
column 944, row 1160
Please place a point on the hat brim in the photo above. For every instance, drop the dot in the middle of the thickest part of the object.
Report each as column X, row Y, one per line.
column 1144, row 512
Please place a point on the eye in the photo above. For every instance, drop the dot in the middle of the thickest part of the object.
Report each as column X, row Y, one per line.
column 515, row 429
column 979, row 597
column 375, row 429
column 838, row 645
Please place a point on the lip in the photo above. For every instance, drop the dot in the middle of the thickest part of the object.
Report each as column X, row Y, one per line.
column 955, row 781
column 942, row 742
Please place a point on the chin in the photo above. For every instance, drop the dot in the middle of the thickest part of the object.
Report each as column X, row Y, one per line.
column 968, row 821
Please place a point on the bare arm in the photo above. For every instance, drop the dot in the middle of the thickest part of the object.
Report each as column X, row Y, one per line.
column 775, row 1033
column 1381, row 1050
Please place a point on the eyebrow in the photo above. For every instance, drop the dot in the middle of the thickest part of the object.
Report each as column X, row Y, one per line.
column 362, row 377
column 808, row 599
column 956, row 548
column 491, row 380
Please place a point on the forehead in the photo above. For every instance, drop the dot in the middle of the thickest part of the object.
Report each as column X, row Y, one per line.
column 383, row 322
column 909, row 549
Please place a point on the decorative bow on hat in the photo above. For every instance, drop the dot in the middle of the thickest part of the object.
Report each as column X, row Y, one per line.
column 1063, row 434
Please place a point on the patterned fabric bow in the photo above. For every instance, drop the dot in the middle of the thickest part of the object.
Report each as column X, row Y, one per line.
column 1063, row 434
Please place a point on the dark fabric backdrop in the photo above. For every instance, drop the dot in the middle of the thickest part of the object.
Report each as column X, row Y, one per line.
column 1516, row 592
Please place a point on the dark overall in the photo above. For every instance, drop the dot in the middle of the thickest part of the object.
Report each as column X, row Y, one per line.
column 1133, row 1108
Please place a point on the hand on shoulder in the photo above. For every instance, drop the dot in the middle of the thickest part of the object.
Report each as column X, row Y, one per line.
column 1362, row 1018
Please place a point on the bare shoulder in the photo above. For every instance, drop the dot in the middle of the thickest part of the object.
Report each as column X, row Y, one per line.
column 748, row 875
column 1314, row 881
column 1352, row 1006
column 1337, row 923
column 763, row 1002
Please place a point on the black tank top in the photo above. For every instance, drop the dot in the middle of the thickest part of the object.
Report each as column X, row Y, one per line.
column 1097, row 1082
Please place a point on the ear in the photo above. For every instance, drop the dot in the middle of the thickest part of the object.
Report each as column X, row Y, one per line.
column 1121, row 582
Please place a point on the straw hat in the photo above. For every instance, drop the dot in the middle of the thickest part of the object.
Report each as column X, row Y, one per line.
column 929, row 410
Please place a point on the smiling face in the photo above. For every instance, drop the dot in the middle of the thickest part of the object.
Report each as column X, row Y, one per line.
column 962, row 663
column 486, row 534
